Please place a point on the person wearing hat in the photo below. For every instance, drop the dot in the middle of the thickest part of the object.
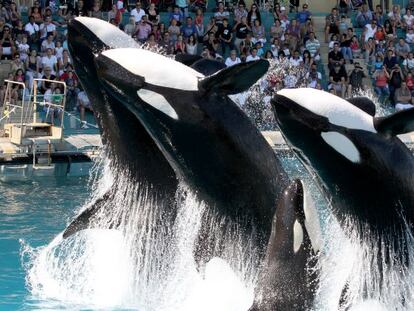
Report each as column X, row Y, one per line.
column 355, row 79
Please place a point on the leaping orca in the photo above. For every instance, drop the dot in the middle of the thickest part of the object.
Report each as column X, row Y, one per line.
column 290, row 274
column 205, row 137
column 365, row 170
column 127, row 142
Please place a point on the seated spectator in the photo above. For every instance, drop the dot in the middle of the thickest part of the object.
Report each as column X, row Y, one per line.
column 191, row 46
column 355, row 80
column 221, row 13
column 403, row 98
column 355, row 47
column 115, row 15
column 258, row 32
column 253, row 14
column 275, row 47
column 290, row 80
column 143, row 29
column 152, row 44
column 379, row 16
column 48, row 44
column 179, row 46
column 296, row 60
column 198, row 5
column 96, row 11
column 246, row 45
column 64, row 62
column 276, row 30
column 389, row 30
column 23, row 49
column 36, row 13
column 173, row 30
column 294, row 6
column 307, row 60
column 369, row 51
column 268, row 55
column 49, row 61
column 313, row 71
column 409, row 36
column 18, row 32
column 138, row 13
column 408, row 63
column 7, row 44
column 344, row 6
column 131, row 28
column 396, row 78
column 402, row 49
column 369, row 31
column 17, row 63
column 395, row 16
column 32, row 67
column 19, row 76
column 379, row 35
column 212, row 44
column 232, row 59
column 332, row 24
column 153, row 15
column 283, row 17
column 409, row 79
column 343, row 25
column 72, row 88
column 80, row 9
column 188, row 29
column 334, row 39
column 294, row 32
column 408, row 20
column 47, row 28
column 47, row 75
column 379, row 61
column 335, row 57
column 199, row 25
column 303, row 15
column 345, row 46
column 313, row 46
column 364, row 16
column 390, row 61
column 239, row 12
column 338, row 80
column 253, row 55
column 167, row 44
column 381, row 77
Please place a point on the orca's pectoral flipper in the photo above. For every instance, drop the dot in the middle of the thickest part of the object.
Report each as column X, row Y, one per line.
column 398, row 123
column 84, row 219
column 235, row 79
column 363, row 103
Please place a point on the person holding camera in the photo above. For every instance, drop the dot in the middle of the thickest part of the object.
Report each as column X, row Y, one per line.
column 396, row 78
column 355, row 79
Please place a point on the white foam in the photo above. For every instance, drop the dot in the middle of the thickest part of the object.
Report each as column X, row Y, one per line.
column 337, row 110
column 158, row 102
column 343, row 145
column 297, row 236
column 312, row 223
column 156, row 69
column 109, row 34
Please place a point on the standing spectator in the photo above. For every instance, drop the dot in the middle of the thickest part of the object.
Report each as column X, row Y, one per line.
column 232, row 59
column 225, row 36
column 137, row 12
column 338, row 80
column 241, row 30
column 403, row 98
column 355, row 80
column 153, row 15
column 390, row 61
column 303, row 15
column 313, row 46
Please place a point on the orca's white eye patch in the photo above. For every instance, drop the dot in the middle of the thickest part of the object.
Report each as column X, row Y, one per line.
column 343, row 145
column 297, row 236
column 337, row 110
column 158, row 102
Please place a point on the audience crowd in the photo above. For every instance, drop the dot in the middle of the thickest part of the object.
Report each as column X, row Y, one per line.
column 356, row 34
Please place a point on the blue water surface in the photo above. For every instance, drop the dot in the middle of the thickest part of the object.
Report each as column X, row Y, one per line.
column 35, row 211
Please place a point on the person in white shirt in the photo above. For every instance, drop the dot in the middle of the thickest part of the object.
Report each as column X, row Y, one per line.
column 408, row 19
column 31, row 27
column 409, row 36
column 253, row 55
column 296, row 60
column 47, row 28
column 370, row 30
column 48, row 44
column 23, row 49
column 408, row 63
column 232, row 59
column 49, row 60
column 138, row 12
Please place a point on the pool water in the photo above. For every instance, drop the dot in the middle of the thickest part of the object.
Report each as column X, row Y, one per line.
column 34, row 211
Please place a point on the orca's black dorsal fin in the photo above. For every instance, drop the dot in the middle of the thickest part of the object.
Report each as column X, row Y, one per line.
column 235, row 79
column 187, row 59
column 398, row 123
column 208, row 66
column 363, row 103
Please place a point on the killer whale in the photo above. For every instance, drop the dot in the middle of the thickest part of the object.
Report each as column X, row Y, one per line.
column 290, row 273
column 205, row 137
column 364, row 169
column 127, row 143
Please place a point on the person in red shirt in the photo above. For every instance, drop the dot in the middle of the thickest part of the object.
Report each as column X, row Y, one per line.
column 410, row 81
